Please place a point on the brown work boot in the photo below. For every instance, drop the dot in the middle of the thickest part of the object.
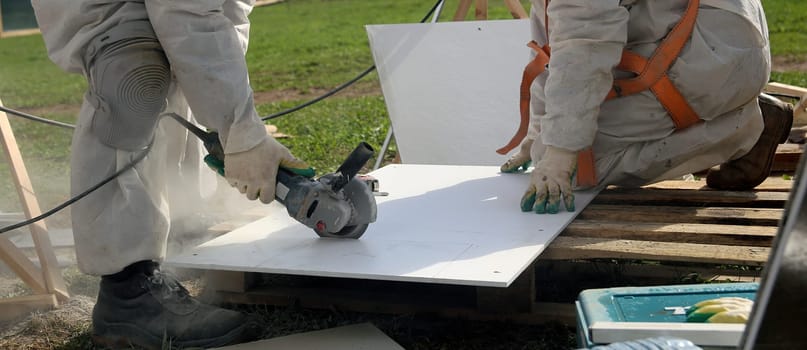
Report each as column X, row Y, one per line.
column 750, row 170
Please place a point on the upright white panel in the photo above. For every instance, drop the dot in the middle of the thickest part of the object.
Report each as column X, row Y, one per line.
column 452, row 89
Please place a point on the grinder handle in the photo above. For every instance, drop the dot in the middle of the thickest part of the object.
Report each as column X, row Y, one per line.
column 351, row 166
column 291, row 180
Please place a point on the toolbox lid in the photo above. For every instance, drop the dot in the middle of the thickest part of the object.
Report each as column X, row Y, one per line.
column 654, row 304
column 621, row 314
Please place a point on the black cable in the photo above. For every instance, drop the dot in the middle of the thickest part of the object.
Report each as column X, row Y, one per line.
column 79, row 196
column 38, row 119
column 145, row 151
column 340, row 87
column 320, row 98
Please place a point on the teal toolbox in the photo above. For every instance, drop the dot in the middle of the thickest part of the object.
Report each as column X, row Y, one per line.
column 662, row 304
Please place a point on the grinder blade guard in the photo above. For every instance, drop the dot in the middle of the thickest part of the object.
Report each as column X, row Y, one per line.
column 337, row 204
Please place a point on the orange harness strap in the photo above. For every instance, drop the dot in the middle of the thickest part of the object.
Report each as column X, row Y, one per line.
column 531, row 71
column 650, row 74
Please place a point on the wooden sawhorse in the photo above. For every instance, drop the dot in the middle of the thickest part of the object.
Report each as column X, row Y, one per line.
column 46, row 281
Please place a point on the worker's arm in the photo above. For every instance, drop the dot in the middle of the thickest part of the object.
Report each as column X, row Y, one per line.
column 522, row 159
column 207, row 58
column 586, row 40
column 206, row 51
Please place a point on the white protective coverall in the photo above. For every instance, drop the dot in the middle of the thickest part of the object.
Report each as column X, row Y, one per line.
column 720, row 72
column 127, row 220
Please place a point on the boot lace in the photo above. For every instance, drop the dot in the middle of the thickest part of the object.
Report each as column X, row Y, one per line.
column 168, row 287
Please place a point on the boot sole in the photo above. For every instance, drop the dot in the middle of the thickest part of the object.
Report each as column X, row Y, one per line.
column 109, row 336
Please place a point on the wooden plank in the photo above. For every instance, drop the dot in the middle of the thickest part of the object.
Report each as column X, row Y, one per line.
column 787, row 157
column 684, row 197
column 800, row 108
column 672, row 232
column 481, row 9
column 462, row 10
column 22, row 266
column 13, row 308
column 516, row 9
column 21, row 32
column 39, row 232
column 228, row 281
column 639, row 273
column 361, row 296
column 389, row 302
column 707, row 215
column 568, row 248
column 771, row 184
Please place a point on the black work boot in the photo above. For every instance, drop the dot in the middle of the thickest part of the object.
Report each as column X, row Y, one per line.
column 142, row 306
column 753, row 168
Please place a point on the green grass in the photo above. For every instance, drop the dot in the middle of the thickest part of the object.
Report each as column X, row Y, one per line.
column 29, row 79
column 787, row 25
column 792, row 78
column 298, row 45
column 308, row 44
column 325, row 133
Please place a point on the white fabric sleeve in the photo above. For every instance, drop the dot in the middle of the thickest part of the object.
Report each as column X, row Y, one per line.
column 207, row 58
column 539, row 36
column 586, row 38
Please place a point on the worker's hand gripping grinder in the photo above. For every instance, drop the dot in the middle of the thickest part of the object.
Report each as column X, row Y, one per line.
column 335, row 205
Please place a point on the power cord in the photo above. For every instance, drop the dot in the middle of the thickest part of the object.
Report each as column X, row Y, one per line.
column 146, row 150
column 346, row 84
column 79, row 196
column 37, row 119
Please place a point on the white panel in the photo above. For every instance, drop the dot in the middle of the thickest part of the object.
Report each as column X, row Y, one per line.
column 439, row 224
column 452, row 89
column 362, row 336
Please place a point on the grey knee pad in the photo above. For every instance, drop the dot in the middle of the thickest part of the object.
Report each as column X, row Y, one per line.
column 128, row 77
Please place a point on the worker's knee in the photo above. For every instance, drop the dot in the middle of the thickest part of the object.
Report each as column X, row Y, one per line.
column 129, row 77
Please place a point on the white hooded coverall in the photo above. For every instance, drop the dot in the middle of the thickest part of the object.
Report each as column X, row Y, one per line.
column 720, row 71
column 127, row 220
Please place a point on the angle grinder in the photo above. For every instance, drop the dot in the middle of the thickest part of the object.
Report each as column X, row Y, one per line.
column 338, row 204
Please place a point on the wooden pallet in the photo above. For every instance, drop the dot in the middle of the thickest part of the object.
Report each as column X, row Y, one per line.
column 677, row 221
column 667, row 233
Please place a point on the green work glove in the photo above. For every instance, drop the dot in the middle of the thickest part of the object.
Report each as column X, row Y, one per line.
column 551, row 179
column 521, row 160
column 721, row 310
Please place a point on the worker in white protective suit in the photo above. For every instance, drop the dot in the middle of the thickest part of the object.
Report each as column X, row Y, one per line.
column 632, row 92
column 133, row 53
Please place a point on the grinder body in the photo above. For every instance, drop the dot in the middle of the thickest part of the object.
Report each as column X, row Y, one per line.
column 335, row 205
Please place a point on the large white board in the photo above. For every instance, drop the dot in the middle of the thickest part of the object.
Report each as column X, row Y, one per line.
column 439, row 224
column 363, row 336
column 451, row 89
